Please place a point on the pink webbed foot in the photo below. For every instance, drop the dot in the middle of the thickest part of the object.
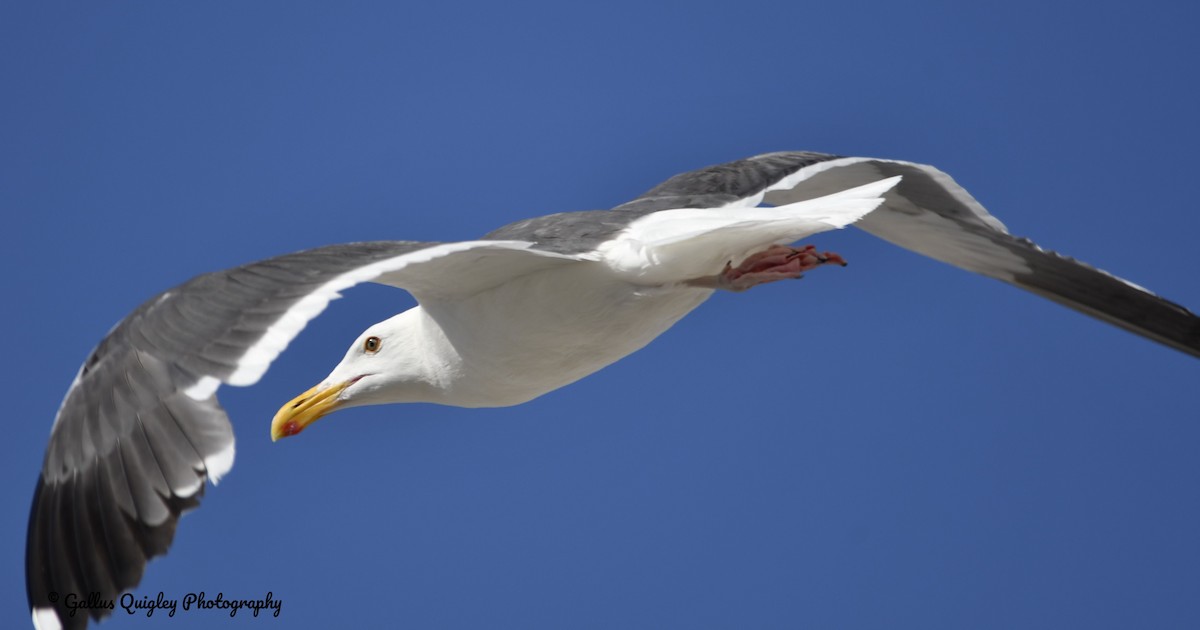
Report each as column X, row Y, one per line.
column 778, row 262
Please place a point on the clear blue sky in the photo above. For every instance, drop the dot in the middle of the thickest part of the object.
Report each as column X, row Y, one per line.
column 896, row 444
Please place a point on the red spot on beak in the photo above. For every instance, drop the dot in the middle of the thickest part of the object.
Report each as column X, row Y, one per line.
column 291, row 427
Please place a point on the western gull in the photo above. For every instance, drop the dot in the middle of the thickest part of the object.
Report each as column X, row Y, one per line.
column 526, row 309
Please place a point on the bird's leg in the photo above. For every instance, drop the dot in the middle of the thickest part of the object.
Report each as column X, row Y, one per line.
column 778, row 262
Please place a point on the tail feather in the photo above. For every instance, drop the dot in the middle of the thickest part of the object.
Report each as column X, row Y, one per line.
column 676, row 245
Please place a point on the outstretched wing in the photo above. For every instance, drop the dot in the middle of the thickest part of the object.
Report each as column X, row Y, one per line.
column 140, row 428
column 927, row 212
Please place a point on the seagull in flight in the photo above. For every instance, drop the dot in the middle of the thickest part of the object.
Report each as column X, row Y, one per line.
column 522, row 311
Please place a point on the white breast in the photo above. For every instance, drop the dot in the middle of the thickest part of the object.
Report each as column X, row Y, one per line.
column 545, row 330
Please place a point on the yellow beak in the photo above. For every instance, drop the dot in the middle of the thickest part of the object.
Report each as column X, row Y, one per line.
column 306, row 409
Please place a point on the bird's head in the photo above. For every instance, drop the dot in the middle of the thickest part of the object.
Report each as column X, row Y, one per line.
column 376, row 369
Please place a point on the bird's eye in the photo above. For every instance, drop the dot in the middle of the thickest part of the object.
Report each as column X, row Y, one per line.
column 372, row 345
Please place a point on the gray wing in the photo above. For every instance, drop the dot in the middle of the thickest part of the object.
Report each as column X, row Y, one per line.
column 930, row 214
column 579, row 233
column 140, row 429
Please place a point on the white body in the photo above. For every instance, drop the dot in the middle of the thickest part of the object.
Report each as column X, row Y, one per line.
column 492, row 350
column 540, row 330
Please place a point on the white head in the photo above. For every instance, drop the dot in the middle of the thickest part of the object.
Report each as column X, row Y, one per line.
column 384, row 365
